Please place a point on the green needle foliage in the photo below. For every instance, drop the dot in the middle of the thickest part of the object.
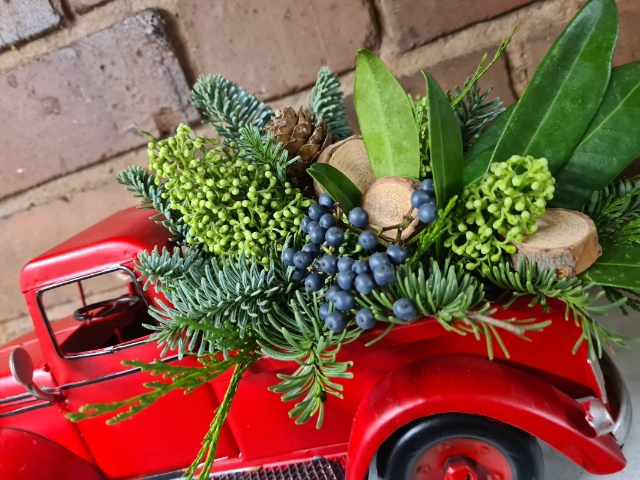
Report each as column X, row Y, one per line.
column 430, row 235
column 228, row 106
column 325, row 100
column 617, row 296
column 475, row 113
column 542, row 284
column 265, row 151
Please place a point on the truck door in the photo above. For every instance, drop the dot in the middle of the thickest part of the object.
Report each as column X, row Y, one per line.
column 95, row 323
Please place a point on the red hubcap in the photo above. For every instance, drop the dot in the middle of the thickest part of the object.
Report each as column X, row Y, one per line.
column 462, row 459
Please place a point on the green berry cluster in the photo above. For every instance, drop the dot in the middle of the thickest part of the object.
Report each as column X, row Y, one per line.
column 231, row 205
column 500, row 209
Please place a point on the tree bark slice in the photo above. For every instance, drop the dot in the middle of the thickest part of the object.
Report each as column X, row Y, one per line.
column 350, row 157
column 566, row 240
column 388, row 201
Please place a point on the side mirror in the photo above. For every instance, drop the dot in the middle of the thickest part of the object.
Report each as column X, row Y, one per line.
column 22, row 370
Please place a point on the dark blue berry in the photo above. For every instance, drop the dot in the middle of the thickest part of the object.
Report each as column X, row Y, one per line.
column 358, row 217
column 427, row 212
column 403, row 309
column 335, row 237
column 323, row 310
column 329, row 264
column 312, row 224
column 317, row 235
column 304, row 224
column 427, row 186
column 384, row 275
column 378, row 259
column 316, row 211
column 344, row 301
column 346, row 279
column 327, row 221
column 361, row 267
column 302, row 259
column 365, row 319
column 364, row 284
column 325, row 200
column 299, row 275
column 397, row 254
column 287, row 256
column 418, row 198
column 368, row 240
column 331, row 293
column 312, row 248
column 336, row 321
column 314, row 282
column 345, row 264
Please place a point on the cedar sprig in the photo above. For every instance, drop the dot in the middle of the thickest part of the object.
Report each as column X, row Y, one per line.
column 325, row 100
column 542, row 284
column 228, row 106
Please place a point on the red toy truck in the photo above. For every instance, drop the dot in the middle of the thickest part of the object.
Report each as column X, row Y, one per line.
column 423, row 404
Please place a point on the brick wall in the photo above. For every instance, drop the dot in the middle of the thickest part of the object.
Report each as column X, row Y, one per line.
column 80, row 78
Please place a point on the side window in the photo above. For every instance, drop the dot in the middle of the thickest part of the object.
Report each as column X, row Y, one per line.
column 94, row 313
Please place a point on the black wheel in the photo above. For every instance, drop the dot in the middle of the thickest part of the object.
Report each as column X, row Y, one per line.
column 456, row 446
column 105, row 308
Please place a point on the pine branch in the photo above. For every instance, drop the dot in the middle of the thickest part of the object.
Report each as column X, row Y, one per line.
column 475, row 112
column 147, row 187
column 160, row 269
column 616, row 296
column 296, row 333
column 265, row 151
column 228, row 106
column 325, row 100
column 430, row 235
column 542, row 285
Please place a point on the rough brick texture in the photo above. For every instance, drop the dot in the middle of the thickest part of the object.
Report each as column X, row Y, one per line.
column 89, row 101
column 82, row 6
column 275, row 47
column 628, row 48
column 22, row 19
column 415, row 22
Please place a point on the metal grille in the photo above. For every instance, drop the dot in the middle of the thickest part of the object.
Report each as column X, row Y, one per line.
column 317, row 469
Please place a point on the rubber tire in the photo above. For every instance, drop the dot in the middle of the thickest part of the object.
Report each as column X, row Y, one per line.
column 398, row 453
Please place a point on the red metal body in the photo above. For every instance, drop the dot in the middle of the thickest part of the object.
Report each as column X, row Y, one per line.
column 416, row 371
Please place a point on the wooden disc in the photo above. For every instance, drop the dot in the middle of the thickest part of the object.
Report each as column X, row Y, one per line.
column 350, row 157
column 565, row 240
column 388, row 201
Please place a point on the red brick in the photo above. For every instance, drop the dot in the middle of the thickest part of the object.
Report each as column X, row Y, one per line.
column 628, row 47
column 276, row 47
column 450, row 74
column 82, row 6
column 23, row 19
column 415, row 22
column 89, row 101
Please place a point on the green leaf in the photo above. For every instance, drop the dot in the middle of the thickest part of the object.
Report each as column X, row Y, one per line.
column 610, row 144
column 619, row 266
column 566, row 89
column 337, row 184
column 445, row 143
column 475, row 170
column 386, row 120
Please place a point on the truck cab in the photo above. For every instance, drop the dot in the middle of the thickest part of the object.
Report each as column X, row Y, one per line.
column 90, row 313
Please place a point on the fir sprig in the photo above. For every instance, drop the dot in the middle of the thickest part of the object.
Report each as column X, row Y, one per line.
column 228, row 106
column 265, row 151
column 143, row 185
column 325, row 100
column 475, row 112
column 295, row 333
column 542, row 284
column 615, row 295
column 429, row 236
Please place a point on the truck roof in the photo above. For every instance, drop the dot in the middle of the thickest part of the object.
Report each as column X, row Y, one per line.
column 114, row 241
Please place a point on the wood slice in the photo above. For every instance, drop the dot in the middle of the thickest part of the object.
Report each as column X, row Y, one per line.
column 566, row 240
column 388, row 201
column 350, row 157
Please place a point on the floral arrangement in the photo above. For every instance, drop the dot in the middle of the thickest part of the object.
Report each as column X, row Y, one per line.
column 293, row 236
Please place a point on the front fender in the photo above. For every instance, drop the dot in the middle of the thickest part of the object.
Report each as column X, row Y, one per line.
column 30, row 457
column 477, row 386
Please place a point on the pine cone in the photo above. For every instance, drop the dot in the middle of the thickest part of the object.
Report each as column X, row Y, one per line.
column 301, row 136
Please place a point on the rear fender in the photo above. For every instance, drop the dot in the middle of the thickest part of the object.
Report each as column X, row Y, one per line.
column 477, row 386
column 31, row 457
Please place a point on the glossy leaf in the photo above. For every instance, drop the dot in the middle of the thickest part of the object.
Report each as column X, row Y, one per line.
column 445, row 143
column 619, row 266
column 385, row 115
column 336, row 184
column 610, row 144
column 475, row 170
column 566, row 89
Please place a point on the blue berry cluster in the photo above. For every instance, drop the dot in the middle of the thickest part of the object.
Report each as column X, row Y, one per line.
column 424, row 201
